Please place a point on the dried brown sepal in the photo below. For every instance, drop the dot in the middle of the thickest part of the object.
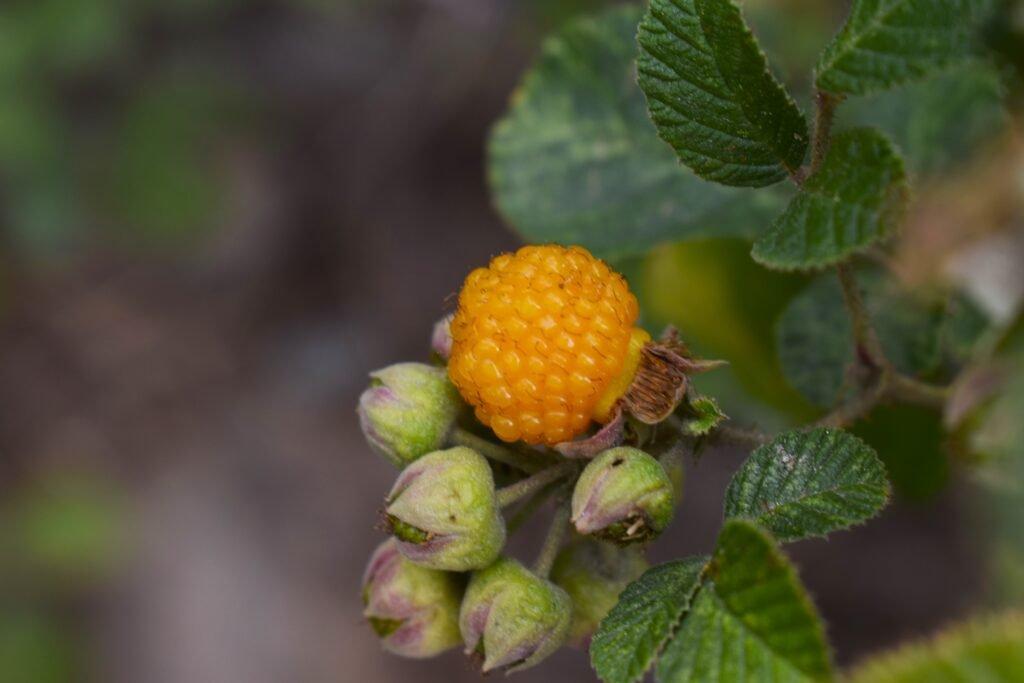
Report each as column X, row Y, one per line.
column 661, row 380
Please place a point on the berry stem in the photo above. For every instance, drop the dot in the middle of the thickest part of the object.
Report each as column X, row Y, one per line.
column 553, row 541
column 489, row 449
column 532, row 504
column 535, row 482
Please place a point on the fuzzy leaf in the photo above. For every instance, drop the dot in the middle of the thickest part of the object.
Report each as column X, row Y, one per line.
column 576, row 160
column 751, row 619
column 712, row 96
column 854, row 200
column 806, row 484
column 647, row 612
column 888, row 42
column 706, row 415
column 990, row 650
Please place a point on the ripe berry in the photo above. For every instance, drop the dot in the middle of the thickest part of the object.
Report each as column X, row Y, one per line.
column 544, row 343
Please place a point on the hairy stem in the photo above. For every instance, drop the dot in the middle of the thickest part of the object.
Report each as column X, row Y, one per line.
column 909, row 390
column 869, row 348
column 553, row 542
column 856, row 408
column 528, row 508
column 744, row 436
column 535, row 482
column 824, row 115
column 498, row 453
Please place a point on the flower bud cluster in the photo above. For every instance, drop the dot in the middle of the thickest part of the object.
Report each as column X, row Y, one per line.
column 441, row 579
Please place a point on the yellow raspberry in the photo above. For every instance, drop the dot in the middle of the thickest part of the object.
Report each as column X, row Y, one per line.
column 543, row 342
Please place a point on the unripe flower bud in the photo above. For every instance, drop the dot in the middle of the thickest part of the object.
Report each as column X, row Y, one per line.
column 444, row 512
column 594, row 574
column 414, row 610
column 441, row 338
column 623, row 496
column 408, row 411
column 512, row 618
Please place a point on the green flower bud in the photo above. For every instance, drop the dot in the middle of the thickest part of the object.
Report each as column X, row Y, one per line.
column 623, row 496
column 511, row 618
column 444, row 512
column 408, row 411
column 594, row 574
column 414, row 610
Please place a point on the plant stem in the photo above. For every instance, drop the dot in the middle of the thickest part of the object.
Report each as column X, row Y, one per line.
column 531, row 505
column 853, row 410
column 869, row 348
column 503, row 454
column 910, row 390
column 553, row 541
column 741, row 435
column 535, row 482
column 825, row 114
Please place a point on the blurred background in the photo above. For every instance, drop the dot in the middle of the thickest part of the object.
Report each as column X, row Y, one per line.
column 217, row 216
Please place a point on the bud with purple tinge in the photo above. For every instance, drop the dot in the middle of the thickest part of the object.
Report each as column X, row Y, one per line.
column 511, row 618
column 623, row 496
column 414, row 610
column 594, row 574
column 441, row 338
column 444, row 513
column 408, row 410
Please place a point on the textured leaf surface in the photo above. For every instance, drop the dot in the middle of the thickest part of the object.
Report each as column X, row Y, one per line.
column 805, row 484
column 888, row 42
column 712, row 97
column 989, row 650
column 854, row 200
column 750, row 621
column 938, row 122
column 813, row 334
column 647, row 612
column 576, row 160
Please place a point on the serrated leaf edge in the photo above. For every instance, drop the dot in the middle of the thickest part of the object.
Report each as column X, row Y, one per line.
column 853, row 524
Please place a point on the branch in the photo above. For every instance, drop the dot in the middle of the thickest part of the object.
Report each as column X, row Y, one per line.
column 869, row 348
column 513, row 458
column 909, row 390
column 524, row 487
column 532, row 504
column 553, row 541
column 823, row 118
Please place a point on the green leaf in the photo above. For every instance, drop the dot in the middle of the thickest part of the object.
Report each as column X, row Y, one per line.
column 806, row 484
column 647, row 612
column 576, row 160
column 854, row 200
column 703, row 416
column 751, row 619
column 712, row 96
column 888, row 42
column 989, row 649
column 938, row 122
column 814, row 336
